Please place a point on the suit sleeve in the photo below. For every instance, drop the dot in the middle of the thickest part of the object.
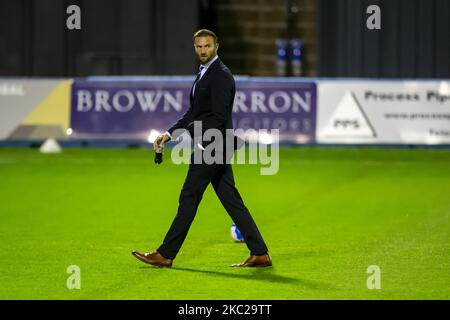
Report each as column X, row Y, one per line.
column 183, row 122
column 221, row 95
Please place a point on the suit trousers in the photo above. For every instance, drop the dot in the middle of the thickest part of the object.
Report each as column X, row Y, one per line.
column 198, row 178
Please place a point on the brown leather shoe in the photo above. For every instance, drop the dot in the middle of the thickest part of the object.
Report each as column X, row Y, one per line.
column 153, row 258
column 256, row 261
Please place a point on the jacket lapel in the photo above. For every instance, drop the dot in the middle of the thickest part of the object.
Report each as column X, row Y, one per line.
column 214, row 65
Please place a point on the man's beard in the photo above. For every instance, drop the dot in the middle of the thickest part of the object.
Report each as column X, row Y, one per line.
column 208, row 58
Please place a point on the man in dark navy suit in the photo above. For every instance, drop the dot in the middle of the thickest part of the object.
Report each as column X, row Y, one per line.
column 211, row 104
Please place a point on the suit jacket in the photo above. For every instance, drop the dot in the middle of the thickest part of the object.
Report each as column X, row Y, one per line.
column 212, row 102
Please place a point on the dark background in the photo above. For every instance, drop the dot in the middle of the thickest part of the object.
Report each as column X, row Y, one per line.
column 154, row 37
column 414, row 40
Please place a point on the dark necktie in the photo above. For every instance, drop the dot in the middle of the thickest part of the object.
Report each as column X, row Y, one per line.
column 200, row 69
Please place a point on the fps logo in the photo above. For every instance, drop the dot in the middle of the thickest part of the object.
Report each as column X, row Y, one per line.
column 349, row 120
column 346, row 123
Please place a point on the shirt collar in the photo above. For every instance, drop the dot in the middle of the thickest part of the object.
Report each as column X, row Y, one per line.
column 206, row 66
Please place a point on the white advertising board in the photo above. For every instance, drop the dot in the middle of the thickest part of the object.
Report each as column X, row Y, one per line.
column 383, row 112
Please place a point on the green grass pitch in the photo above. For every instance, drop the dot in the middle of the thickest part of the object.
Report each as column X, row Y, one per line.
column 328, row 215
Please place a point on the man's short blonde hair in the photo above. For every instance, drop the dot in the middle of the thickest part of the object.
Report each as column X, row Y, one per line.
column 206, row 33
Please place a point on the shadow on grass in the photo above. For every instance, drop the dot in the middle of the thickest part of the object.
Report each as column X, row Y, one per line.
column 260, row 274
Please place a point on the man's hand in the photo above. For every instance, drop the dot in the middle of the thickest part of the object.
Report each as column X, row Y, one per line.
column 160, row 141
column 158, row 146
